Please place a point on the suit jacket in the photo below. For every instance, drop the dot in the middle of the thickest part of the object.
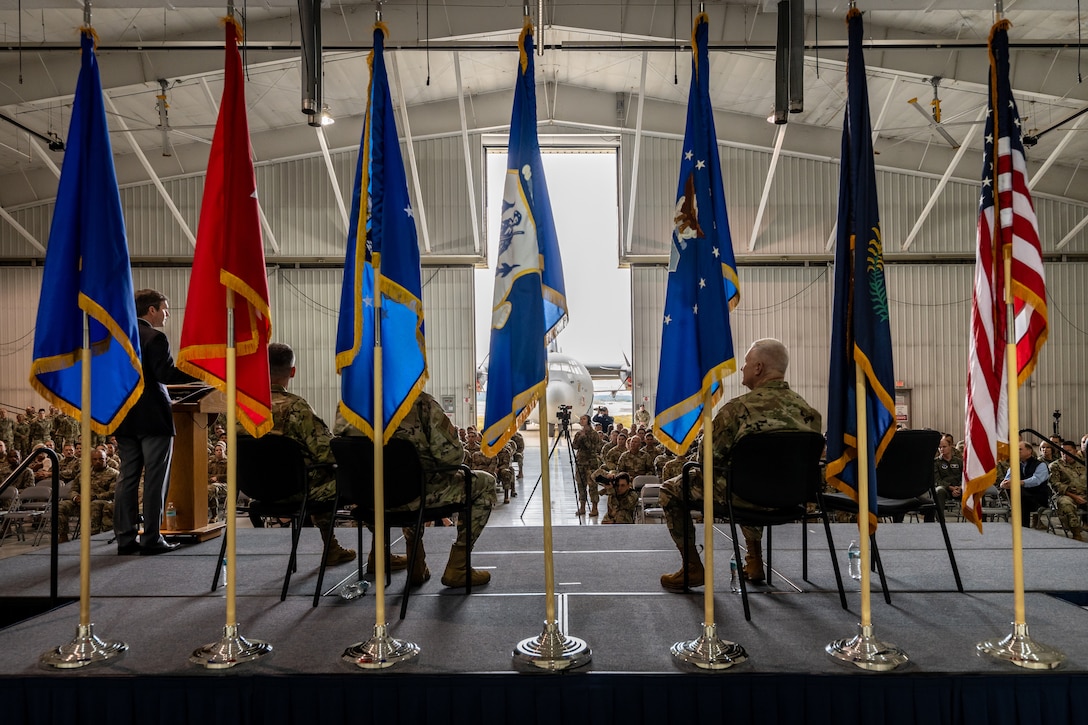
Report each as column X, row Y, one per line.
column 151, row 415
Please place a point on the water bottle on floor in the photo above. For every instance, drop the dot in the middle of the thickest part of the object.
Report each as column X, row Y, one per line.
column 354, row 590
column 853, row 560
column 171, row 523
column 734, row 579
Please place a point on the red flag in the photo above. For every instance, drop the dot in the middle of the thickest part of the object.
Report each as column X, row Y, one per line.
column 230, row 255
column 1006, row 225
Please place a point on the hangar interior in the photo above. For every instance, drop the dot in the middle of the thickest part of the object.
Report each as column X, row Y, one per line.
column 611, row 74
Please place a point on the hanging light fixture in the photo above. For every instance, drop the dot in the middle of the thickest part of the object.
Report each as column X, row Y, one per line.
column 326, row 116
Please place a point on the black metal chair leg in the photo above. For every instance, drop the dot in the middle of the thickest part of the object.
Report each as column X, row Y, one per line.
column 327, row 540
column 880, row 570
column 770, row 552
column 740, row 572
column 834, row 559
column 948, row 545
column 219, row 562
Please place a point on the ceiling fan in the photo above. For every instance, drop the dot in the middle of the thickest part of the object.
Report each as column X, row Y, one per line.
column 934, row 119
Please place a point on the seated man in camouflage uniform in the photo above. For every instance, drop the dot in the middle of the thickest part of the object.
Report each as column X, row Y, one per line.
column 430, row 431
column 770, row 405
column 623, row 502
column 69, row 464
column 11, row 461
column 103, row 484
column 293, row 417
column 1067, row 478
column 217, row 481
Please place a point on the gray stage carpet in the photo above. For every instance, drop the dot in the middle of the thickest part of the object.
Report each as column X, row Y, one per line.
column 607, row 581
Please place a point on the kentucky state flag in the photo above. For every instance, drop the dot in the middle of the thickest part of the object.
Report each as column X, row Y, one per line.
column 860, row 331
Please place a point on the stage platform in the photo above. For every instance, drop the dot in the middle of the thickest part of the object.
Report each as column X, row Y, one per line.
column 608, row 595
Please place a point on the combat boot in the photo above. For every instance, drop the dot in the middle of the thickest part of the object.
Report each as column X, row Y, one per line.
column 457, row 569
column 336, row 553
column 753, row 561
column 396, row 561
column 581, row 508
column 593, row 511
column 675, row 582
column 420, row 573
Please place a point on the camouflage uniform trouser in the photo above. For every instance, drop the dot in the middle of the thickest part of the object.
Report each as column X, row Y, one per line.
column 584, row 480
column 672, row 501
column 453, row 491
column 101, row 516
column 1067, row 513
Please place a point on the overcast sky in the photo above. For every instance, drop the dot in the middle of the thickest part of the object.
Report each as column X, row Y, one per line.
column 582, row 188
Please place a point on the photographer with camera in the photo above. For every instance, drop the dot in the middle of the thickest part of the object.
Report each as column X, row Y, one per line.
column 587, row 447
column 606, row 420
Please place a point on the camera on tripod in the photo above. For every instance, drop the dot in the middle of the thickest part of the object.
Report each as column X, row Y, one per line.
column 563, row 416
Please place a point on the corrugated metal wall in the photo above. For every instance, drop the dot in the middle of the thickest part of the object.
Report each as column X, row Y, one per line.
column 20, row 288
column 802, row 204
column 449, row 305
column 930, row 317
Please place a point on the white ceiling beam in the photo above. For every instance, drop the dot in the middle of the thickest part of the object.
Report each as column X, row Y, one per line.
column 421, row 208
column 635, row 153
column 775, row 155
column 473, row 201
column 876, row 134
column 1056, row 153
column 44, row 155
column 1072, row 233
column 944, row 180
column 320, row 131
column 22, row 231
column 268, row 236
column 150, row 171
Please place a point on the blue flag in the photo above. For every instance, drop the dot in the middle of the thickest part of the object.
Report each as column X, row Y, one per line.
column 381, row 217
column 87, row 270
column 696, row 340
column 860, row 333
column 530, row 306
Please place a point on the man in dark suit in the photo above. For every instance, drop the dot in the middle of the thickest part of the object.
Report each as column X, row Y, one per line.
column 145, row 438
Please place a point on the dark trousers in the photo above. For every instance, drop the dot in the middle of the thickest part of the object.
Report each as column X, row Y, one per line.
column 151, row 455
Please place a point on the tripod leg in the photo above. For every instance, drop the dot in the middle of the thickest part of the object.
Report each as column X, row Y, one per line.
column 538, row 480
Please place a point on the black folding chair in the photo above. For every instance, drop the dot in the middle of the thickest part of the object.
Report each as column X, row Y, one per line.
column 783, row 491
column 405, row 481
column 274, row 471
column 903, row 477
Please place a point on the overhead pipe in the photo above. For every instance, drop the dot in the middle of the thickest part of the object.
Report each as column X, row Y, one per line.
column 309, row 15
column 797, row 56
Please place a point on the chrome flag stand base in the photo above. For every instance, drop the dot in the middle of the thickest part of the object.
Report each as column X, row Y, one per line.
column 1019, row 649
column 380, row 651
column 867, row 652
column 552, row 650
column 708, row 652
column 85, row 649
column 233, row 649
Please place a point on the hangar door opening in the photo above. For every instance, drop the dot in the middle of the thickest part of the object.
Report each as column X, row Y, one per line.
column 583, row 187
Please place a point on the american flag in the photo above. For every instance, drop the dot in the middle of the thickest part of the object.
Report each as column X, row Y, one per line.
column 1006, row 225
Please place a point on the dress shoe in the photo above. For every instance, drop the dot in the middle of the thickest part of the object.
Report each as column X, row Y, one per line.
column 132, row 547
column 159, row 547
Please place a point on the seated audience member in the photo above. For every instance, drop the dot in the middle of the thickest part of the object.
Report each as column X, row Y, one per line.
column 12, row 461
column 1067, row 478
column 103, row 486
column 1035, row 493
column 623, row 503
column 947, row 473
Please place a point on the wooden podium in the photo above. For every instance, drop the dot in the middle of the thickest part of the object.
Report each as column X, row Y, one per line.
column 189, row 468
